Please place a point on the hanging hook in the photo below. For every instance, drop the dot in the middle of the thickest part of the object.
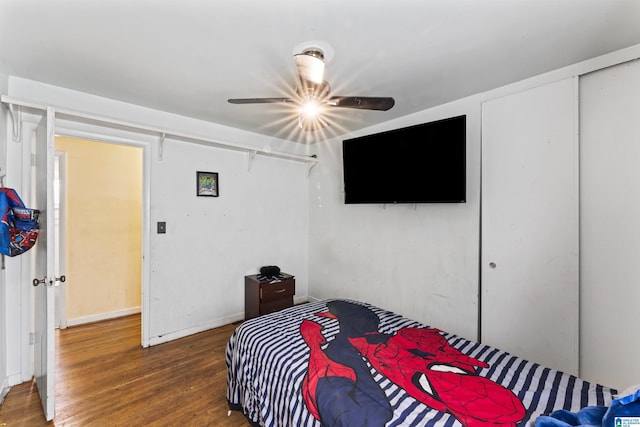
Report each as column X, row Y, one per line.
column 251, row 154
column 16, row 118
column 161, row 145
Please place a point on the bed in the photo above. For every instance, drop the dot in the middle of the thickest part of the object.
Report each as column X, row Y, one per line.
column 347, row 363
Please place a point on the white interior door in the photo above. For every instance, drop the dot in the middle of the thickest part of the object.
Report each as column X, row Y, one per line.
column 44, row 265
column 529, row 221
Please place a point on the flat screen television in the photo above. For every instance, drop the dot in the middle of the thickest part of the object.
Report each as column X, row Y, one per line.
column 424, row 163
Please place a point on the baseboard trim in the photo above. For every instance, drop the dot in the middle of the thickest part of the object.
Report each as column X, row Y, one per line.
column 170, row 336
column 5, row 390
column 238, row 317
column 196, row 329
column 103, row 316
column 300, row 300
column 17, row 379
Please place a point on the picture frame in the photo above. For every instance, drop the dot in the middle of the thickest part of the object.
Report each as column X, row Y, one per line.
column 207, row 184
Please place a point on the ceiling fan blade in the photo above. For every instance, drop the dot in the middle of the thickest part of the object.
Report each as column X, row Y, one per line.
column 362, row 102
column 259, row 100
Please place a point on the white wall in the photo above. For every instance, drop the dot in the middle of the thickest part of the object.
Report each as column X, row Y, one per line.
column 19, row 298
column 260, row 218
column 4, row 381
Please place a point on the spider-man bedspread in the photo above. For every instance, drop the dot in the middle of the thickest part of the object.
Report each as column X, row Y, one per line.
column 346, row 363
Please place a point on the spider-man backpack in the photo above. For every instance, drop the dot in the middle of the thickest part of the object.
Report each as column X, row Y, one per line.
column 18, row 224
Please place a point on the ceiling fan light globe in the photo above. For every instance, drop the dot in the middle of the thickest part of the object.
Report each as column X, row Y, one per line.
column 310, row 68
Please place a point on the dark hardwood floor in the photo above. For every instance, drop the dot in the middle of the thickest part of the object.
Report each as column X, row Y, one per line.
column 104, row 377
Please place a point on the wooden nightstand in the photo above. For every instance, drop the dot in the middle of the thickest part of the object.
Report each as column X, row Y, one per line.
column 267, row 296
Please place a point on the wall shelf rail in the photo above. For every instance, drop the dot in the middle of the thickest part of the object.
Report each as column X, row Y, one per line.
column 16, row 105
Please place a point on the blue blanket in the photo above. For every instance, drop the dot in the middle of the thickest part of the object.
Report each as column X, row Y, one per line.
column 621, row 408
column 589, row 416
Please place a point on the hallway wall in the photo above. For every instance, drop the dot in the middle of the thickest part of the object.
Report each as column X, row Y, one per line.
column 104, row 228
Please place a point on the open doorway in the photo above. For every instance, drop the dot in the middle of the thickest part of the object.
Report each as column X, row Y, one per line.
column 99, row 193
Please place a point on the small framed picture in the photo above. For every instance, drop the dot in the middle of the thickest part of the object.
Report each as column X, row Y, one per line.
column 207, row 184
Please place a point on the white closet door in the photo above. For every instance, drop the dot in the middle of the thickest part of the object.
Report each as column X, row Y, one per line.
column 609, row 225
column 529, row 270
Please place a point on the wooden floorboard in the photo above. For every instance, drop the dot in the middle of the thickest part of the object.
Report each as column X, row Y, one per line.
column 104, row 377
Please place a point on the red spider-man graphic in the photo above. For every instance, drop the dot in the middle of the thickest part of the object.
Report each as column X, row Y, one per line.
column 340, row 391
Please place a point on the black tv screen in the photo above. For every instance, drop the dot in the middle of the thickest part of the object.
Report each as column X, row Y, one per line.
column 424, row 163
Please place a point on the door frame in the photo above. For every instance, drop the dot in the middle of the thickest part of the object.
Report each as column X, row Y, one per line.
column 108, row 135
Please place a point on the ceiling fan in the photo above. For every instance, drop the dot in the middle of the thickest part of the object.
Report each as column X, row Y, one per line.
column 312, row 93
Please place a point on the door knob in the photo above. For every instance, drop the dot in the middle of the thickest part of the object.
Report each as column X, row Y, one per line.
column 492, row 264
column 36, row 282
column 61, row 279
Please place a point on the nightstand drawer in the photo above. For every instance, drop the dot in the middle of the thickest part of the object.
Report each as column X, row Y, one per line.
column 277, row 290
column 270, row 307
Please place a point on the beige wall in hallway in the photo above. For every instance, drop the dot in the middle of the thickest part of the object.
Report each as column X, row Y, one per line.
column 103, row 227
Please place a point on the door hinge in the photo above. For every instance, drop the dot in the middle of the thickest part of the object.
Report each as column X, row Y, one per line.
column 32, row 338
column 34, row 159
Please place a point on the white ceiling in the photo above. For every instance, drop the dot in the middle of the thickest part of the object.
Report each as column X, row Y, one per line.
column 189, row 56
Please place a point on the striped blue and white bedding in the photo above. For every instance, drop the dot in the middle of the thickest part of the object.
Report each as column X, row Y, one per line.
column 268, row 358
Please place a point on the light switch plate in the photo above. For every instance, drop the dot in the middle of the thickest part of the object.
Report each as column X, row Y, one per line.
column 162, row 227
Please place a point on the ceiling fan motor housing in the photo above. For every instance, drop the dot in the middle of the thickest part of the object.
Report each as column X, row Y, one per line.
column 308, row 91
column 315, row 52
